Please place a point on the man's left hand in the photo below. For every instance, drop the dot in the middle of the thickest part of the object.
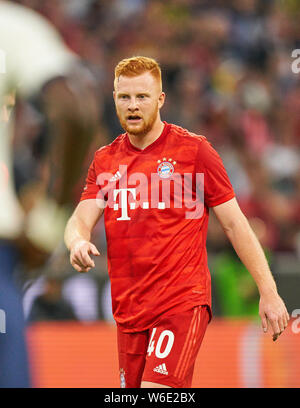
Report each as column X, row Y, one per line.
column 273, row 314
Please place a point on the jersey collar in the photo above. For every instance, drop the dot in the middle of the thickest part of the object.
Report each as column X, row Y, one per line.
column 156, row 142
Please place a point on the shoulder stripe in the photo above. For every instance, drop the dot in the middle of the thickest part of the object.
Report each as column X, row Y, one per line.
column 113, row 144
column 199, row 138
column 178, row 369
column 192, row 344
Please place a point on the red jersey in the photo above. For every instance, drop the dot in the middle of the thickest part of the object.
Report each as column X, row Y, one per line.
column 156, row 217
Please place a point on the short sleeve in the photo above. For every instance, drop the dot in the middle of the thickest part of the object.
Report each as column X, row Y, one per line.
column 91, row 188
column 217, row 186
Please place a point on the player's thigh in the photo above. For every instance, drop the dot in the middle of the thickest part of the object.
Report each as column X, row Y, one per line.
column 132, row 348
column 173, row 347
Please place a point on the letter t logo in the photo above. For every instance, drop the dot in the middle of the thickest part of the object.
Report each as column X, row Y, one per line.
column 124, row 206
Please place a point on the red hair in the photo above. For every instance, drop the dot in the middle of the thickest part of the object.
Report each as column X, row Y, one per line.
column 135, row 66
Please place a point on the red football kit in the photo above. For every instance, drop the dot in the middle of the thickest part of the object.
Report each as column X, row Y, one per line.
column 156, row 217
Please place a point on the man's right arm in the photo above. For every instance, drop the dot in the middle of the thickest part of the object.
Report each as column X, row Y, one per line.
column 78, row 234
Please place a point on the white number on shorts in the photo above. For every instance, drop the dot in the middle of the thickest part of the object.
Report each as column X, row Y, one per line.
column 157, row 349
column 151, row 343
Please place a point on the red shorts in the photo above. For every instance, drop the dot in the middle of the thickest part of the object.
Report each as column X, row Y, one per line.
column 164, row 354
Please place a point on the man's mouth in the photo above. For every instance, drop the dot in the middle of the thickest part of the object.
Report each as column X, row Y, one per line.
column 134, row 118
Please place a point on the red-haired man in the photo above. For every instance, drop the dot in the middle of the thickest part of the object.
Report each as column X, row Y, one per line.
column 155, row 184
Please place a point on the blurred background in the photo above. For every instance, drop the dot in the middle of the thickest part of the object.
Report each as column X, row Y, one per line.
column 227, row 72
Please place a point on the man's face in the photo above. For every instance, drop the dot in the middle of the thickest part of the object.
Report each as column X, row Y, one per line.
column 138, row 101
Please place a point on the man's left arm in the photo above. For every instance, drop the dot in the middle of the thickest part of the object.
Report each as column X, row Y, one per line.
column 272, row 309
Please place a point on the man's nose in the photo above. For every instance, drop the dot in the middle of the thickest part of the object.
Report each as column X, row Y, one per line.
column 133, row 104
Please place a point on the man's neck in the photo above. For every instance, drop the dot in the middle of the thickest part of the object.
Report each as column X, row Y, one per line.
column 141, row 142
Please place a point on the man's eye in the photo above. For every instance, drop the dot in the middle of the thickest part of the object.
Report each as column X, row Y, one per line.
column 141, row 96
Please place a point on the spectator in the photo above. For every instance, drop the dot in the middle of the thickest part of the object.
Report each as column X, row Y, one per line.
column 51, row 305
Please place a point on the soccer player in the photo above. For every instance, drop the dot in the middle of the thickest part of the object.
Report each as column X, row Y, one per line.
column 145, row 182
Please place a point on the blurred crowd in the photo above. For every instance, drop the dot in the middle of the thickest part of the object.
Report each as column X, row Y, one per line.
column 227, row 73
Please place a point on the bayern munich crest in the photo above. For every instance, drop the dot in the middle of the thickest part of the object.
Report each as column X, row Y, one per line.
column 165, row 167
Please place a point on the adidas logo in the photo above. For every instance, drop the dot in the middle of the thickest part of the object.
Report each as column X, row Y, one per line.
column 116, row 176
column 161, row 369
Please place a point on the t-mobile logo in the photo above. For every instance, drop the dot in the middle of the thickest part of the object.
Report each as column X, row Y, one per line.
column 151, row 192
column 2, row 321
column 124, row 201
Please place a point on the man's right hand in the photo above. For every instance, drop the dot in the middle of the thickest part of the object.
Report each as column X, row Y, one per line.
column 80, row 255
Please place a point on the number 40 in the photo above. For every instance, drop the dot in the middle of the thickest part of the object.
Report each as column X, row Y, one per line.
column 160, row 340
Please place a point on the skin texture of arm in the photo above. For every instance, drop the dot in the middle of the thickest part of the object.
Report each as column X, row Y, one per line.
column 272, row 309
column 78, row 234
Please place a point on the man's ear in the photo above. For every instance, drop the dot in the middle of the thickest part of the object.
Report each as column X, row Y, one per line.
column 114, row 95
column 161, row 100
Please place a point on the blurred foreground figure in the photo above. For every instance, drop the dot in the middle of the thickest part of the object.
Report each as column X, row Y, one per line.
column 36, row 64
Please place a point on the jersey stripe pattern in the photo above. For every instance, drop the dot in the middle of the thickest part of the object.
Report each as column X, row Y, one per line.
column 156, row 240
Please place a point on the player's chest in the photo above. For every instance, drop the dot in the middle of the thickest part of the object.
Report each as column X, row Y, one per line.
column 161, row 183
column 163, row 167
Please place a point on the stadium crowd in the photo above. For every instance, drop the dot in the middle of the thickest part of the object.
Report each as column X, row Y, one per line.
column 227, row 73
